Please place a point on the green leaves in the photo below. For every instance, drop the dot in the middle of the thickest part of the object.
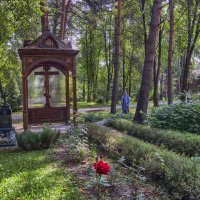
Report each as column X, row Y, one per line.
column 182, row 117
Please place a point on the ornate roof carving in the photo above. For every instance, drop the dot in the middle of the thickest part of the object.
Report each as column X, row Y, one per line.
column 47, row 41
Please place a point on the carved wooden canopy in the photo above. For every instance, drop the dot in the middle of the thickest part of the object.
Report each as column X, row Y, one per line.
column 47, row 48
column 48, row 51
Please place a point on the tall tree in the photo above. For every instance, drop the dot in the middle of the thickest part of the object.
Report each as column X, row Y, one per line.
column 116, row 58
column 143, row 98
column 65, row 9
column 193, row 16
column 170, row 52
column 142, row 9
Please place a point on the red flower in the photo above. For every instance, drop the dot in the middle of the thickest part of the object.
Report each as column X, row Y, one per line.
column 102, row 167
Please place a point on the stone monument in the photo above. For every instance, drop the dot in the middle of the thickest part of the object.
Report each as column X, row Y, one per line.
column 7, row 132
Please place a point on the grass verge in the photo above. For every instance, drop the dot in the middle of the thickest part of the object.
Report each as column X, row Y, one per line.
column 34, row 175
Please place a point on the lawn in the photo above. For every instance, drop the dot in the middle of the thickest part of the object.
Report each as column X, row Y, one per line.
column 34, row 175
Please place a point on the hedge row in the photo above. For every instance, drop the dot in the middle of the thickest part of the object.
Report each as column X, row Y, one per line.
column 179, row 175
column 183, row 143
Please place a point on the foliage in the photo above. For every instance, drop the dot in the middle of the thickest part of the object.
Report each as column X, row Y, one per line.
column 93, row 117
column 76, row 142
column 34, row 175
column 48, row 137
column 110, row 120
column 182, row 117
column 19, row 21
column 174, row 172
column 183, row 143
column 35, row 141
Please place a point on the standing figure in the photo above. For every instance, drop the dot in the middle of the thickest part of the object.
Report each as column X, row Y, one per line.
column 125, row 102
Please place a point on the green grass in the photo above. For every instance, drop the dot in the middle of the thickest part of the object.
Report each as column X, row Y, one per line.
column 34, row 175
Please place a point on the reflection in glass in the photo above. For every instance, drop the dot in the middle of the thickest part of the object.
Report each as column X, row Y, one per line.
column 36, row 89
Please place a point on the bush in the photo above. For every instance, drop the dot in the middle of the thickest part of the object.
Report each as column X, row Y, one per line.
column 177, row 174
column 35, row 141
column 93, row 117
column 182, row 117
column 186, row 143
column 48, row 136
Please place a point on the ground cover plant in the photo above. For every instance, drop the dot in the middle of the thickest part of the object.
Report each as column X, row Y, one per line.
column 99, row 116
column 183, row 143
column 34, row 175
column 184, row 117
column 179, row 175
column 79, row 154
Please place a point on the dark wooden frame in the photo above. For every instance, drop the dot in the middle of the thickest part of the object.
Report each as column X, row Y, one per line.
column 47, row 50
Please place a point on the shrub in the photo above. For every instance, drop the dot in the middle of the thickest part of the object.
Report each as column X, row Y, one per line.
column 48, row 136
column 186, row 143
column 35, row 141
column 182, row 117
column 28, row 141
column 174, row 172
column 93, row 117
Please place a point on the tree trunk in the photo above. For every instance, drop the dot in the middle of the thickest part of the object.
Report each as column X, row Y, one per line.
column 123, row 69
column 84, row 89
column 107, row 65
column 55, row 18
column 170, row 53
column 143, row 98
column 116, row 59
column 157, row 71
column 161, row 87
column 192, row 39
column 87, row 67
column 180, row 66
column 142, row 9
column 130, row 84
column 155, row 83
column 65, row 9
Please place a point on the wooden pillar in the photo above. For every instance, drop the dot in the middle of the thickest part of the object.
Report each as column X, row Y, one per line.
column 67, row 97
column 75, row 107
column 25, row 95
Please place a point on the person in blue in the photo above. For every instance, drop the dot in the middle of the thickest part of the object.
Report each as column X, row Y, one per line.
column 125, row 102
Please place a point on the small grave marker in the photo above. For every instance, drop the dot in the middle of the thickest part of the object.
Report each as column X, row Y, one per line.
column 7, row 132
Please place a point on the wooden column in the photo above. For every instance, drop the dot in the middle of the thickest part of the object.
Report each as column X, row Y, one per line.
column 25, row 95
column 67, row 97
column 75, row 107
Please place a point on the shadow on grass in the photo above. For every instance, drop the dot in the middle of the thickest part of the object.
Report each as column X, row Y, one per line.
column 34, row 175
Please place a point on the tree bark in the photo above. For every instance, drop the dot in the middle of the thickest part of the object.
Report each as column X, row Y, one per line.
column 142, row 9
column 192, row 39
column 161, row 87
column 123, row 68
column 108, row 65
column 116, row 59
column 170, row 53
column 155, row 83
column 65, row 9
column 157, row 71
column 143, row 98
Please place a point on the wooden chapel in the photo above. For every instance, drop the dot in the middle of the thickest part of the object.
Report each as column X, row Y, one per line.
column 48, row 51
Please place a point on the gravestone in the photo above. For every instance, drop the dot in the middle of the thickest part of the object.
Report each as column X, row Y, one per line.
column 7, row 132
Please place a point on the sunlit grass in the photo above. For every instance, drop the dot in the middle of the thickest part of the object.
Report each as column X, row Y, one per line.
column 34, row 175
